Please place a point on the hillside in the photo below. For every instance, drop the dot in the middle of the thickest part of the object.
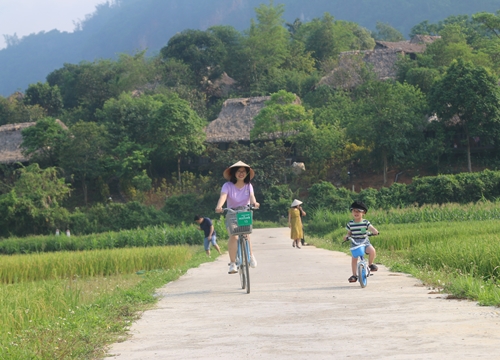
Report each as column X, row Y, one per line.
column 126, row 26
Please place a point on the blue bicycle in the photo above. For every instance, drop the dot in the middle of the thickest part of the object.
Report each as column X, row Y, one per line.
column 363, row 270
column 239, row 222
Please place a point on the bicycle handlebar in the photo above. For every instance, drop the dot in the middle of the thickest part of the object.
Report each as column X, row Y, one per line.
column 246, row 207
column 368, row 233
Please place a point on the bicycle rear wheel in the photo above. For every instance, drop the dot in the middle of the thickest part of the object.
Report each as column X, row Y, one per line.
column 245, row 252
column 241, row 270
column 362, row 274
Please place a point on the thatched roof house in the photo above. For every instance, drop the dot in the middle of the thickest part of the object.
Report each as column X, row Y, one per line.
column 414, row 46
column 235, row 120
column 381, row 59
column 11, row 140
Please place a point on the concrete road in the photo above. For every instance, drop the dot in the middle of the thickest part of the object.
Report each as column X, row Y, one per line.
column 302, row 307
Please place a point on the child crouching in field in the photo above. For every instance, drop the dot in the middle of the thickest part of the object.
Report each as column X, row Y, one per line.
column 357, row 229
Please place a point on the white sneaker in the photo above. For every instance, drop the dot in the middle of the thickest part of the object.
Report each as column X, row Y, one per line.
column 253, row 261
column 233, row 269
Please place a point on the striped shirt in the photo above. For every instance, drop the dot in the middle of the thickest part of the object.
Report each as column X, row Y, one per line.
column 358, row 232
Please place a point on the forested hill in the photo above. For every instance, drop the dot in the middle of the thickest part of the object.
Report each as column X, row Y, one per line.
column 125, row 26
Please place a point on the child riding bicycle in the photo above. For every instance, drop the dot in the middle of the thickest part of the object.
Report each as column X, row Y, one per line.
column 357, row 230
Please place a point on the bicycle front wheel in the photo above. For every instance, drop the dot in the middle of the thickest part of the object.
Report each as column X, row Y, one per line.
column 241, row 270
column 245, row 261
column 362, row 274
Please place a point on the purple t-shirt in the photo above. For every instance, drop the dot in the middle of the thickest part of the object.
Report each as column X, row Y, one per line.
column 237, row 197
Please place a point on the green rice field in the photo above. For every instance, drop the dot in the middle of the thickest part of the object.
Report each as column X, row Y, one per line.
column 71, row 304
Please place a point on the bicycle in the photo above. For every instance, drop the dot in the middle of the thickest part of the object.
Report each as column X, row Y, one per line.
column 239, row 222
column 363, row 270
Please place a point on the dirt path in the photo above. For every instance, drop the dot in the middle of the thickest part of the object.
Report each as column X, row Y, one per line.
column 302, row 307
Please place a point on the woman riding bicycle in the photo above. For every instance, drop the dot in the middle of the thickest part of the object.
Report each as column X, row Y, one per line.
column 238, row 192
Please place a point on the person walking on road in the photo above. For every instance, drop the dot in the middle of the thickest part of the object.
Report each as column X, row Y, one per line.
column 295, row 222
column 210, row 235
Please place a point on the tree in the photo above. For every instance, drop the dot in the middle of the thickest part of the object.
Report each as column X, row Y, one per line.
column 129, row 116
column 489, row 21
column 43, row 141
column 281, row 117
column 201, row 50
column 319, row 38
column 386, row 32
column 83, row 153
column 326, row 37
column 33, row 204
column 392, row 120
column 48, row 97
column 13, row 110
column 467, row 95
column 232, row 40
column 176, row 131
column 86, row 86
column 266, row 46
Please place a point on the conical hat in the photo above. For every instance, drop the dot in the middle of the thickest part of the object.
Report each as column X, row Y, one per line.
column 296, row 203
column 227, row 174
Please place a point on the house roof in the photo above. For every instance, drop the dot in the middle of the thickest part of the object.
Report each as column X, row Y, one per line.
column 235, row 120
column 382, row 59
column 417, row 44
column 11, row 140
column 347, row 74
column 406, row 46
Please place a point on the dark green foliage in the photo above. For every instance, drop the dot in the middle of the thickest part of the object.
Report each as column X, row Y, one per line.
column 462, row 188
column 32, row 204
column 48, row 97
column 87, row 85
column 324, row 195
column 44, row 140
column 114, row 217
column 201, row 50
column 183, row 208
column 276, row 202
column 386, row 32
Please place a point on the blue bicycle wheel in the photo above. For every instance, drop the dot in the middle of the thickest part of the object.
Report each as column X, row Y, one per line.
column 362, row 274
column 241, row 269
column 246, row 262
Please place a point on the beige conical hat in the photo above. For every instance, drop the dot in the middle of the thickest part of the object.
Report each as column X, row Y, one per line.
column 296, row 203
column 227, row 174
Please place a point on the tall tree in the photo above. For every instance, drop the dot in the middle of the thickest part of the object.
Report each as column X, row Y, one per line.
column 467, row 95
column 266, row 45
column 48, row 97
column 392, row 120
column 281, row 117
column 201, row 50
column 386, row 32
column 84, row 152
column 176, row 131
column 43, row 141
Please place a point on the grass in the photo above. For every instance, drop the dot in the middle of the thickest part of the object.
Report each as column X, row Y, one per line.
column 77, row 316
column 259, row 224
column 81, row 264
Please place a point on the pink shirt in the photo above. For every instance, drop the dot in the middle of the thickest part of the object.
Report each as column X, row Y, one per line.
column 237, row 197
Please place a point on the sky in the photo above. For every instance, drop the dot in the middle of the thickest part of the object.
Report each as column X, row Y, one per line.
column 24, row 17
